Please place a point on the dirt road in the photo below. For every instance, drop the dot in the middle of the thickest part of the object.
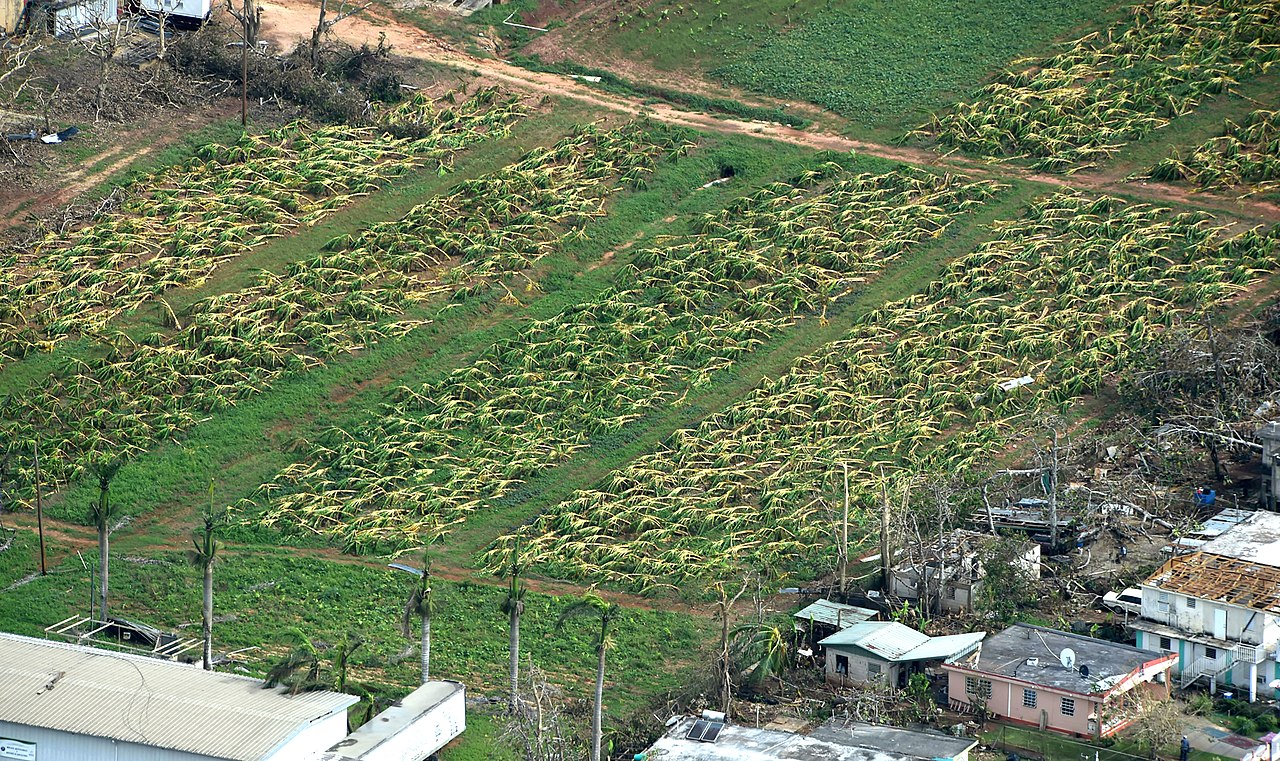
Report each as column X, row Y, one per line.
column 285, row 22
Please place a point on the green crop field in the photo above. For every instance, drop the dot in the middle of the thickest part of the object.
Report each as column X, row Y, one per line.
column 620, row 354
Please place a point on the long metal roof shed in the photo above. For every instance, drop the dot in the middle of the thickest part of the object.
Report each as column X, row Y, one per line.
column 157, row 703
column 834, row 614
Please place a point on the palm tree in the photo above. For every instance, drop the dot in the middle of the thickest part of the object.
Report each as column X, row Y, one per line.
column 304, row 669
column 513, row 606
column 764, row 648
column 102, row 513
column 592, row 604
column 300, row 669
column 420, row 605
column 205, row 554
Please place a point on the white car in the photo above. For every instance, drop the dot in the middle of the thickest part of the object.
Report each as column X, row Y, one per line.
column 1128, row 601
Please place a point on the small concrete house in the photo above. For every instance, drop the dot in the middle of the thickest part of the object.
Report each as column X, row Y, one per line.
column 948, row 572
column 889, row 651
column 1065, row 683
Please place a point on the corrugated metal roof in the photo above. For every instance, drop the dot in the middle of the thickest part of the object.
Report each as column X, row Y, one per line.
column 888, row 639
column 946, row 648
column 834, row 614
column 895, row 642
column 143, row 700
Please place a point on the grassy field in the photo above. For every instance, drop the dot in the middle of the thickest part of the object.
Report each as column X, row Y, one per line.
column 882, row 65
column 864, row 341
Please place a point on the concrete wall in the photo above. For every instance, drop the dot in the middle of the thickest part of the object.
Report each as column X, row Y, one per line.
column 82, row 14
column 52, row 745
column 10, row 15
column 860, row 667
column 1241, row 624
column 1006, row 702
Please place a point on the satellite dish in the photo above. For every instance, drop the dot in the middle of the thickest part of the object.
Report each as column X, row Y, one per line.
column 1084, row 671
column 1068, row 658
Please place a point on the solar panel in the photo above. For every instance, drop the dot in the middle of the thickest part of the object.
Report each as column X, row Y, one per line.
column 713, row 731
column 697, row 730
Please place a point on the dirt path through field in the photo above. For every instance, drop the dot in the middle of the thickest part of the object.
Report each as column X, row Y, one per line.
column 285, row 22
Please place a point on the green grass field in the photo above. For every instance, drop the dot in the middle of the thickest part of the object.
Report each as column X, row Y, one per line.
column 882, row 65
column 877, row 65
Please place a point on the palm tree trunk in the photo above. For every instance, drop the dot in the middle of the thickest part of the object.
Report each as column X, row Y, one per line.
column 515, row 656
column 207, row 628
column 103, row 548
column 596, row 733
column 426, row 647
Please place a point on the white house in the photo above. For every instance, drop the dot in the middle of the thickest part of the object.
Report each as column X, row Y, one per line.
column 889, row 651
column 1219, row 608
column 949, row 572
column 64, row 702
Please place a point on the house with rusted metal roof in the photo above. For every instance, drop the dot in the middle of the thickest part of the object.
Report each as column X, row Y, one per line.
column 1218, row 608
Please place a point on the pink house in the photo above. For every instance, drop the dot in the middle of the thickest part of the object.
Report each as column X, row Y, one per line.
column 1057, row 681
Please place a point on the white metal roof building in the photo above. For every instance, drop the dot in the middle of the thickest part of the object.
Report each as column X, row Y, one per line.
column 64, row 702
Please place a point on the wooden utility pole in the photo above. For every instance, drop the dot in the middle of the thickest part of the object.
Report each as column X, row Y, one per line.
column 886, row 564
column 244, row 69
column 844, row 537
column 44, row 571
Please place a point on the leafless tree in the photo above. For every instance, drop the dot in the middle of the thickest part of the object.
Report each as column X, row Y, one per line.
column 324, row 25
column 103, row 43
column 539, row 731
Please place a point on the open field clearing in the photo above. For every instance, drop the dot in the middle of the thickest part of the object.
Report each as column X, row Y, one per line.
column 264, row 595
column 1245, row 158
column 1073, row 110
column 1065, row 294
column 679, row 314
column 882, row 65
column 228, row 347
column 190, row 218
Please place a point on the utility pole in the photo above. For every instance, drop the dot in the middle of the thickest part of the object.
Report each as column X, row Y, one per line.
column 844, row 537
column 40, row 511
column 886, row 564
column 244, row 69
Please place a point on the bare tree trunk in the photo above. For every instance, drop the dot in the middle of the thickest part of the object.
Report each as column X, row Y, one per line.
column 104, row 541
column 597, row 734
column 316, row 34
column 515, row 655
column 1053, row 493
column 207, row 624
column 426, row 647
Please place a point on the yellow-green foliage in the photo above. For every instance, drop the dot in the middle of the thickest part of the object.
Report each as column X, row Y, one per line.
column 1080, row 106
column 1064, row 294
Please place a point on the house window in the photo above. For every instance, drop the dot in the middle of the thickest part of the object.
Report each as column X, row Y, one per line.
column 873, row 669
column 1028, row 698
column 1191, row 603
column 1162, row 604
column 842, row 664
column 951, row 593
column 978, row 687
column 1211, row 653
column 1068, row 707
column 1166, row 643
